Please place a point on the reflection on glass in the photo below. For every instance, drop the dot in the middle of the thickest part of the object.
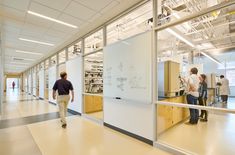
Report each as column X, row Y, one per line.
column 138, row 21
column 74, row 50
column 94, row 42
column 54, row 60
column 62, row 57
column 206, row 43
column 171, row 10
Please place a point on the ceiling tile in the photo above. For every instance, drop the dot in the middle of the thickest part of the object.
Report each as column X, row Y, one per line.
column 96, row 16
column 41, row 9
column 38, row 21
column 11, row 30
column 79, row 11
column 33, row 31
column 12, row 13
column 43, row 49
column 64, row 29
column 13, row 23
column 17, row 4
column 95, row 5
column 55, row 40
column 55, row 33
column 71, row 20
column 110, row 6
column 38, row 8
column 55, row 4
column 10, row 52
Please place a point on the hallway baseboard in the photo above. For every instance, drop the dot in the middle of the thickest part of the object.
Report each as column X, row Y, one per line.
column 145, row 140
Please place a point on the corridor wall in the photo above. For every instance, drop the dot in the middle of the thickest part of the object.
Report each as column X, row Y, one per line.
column 74, row 71
column 30, row 83
column 52, row 79
column 41, row 84
column 34, row 84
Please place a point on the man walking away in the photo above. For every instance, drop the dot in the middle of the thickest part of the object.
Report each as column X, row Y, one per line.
column 193, row 94
column 63, row 86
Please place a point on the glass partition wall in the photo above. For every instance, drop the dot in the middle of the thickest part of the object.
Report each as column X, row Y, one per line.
column 75, row 50
column 93, row 75
column 61, row 67
column 186, row 121
column 46, row 92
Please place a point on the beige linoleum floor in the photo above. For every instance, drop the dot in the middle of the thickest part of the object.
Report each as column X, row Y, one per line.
column 97, row 115
column 215, row 137
column 82, row 136
column 18, row 105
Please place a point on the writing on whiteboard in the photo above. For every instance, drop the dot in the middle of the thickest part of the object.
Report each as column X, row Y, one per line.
column 121, row 83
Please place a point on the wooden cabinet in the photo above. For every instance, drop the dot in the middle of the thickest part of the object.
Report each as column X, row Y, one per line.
column 168, row 116
column 46, row 93
column 93, row 103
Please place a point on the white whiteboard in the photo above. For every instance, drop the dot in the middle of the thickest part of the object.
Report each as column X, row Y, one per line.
column 74, row 71
column 52, row 79
column 41, row 84
column 127, row 69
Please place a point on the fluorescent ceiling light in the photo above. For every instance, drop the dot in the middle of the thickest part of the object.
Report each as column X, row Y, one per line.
column 213, row 59
column 51, row 19
column 20, row 63
column 15, row 66
column 180, row 37
column 27, row 52
column 35, row 41
column 27, row 59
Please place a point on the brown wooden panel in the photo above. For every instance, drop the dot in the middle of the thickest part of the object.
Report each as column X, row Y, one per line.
column 93, row 103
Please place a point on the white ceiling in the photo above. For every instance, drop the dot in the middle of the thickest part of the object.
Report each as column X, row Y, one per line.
column 16, row 22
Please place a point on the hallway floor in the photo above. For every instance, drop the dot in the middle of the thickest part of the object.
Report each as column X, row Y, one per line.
column 32, row 127
column 215, row 137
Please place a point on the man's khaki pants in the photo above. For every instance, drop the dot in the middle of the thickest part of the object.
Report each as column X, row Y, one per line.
column 62, row 101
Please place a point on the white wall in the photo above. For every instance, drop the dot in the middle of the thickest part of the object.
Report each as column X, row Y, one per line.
column 52, row 79
column 41, row 84
column 30, row 84
column 74, row 71
column 132, row 117
column 34, row 84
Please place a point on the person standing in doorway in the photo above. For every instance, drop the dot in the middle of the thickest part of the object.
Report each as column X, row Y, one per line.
column 13, row 85
column 203, row 97
column 224, row 89
column 192, row 95
column 63, row 88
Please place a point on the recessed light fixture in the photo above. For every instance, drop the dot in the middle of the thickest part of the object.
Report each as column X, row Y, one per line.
column 22, row 59
column 19, row 63
column 52, row 19
column 37, row 42
column 27, row 52
column 213, row 59
column 180, row 37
